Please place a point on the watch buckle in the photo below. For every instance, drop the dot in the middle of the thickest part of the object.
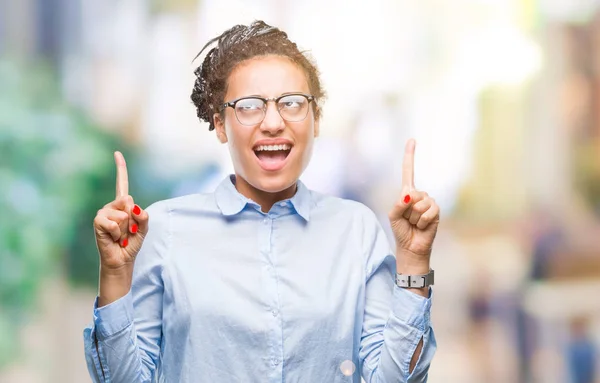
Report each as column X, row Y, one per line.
column 412, row 281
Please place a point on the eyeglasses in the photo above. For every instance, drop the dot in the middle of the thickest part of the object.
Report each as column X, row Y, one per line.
column 292, row 107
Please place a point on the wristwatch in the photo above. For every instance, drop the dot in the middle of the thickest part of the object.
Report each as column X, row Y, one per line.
column 415, row 281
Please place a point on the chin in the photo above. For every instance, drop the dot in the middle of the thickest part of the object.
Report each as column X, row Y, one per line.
column 274, row 183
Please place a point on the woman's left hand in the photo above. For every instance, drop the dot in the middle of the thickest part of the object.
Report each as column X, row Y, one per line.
column 415, row 216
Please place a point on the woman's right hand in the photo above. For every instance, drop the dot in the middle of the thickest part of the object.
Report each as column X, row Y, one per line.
column 120, row 226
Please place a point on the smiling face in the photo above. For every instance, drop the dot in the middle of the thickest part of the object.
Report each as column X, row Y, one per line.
column 268, row 157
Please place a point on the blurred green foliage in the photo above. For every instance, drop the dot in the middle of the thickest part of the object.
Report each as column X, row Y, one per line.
column 56, row 171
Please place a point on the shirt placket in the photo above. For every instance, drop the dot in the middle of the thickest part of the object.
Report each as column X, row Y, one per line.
column 273, row 315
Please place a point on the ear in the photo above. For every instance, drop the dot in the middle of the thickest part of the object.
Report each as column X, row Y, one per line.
column 220, row 127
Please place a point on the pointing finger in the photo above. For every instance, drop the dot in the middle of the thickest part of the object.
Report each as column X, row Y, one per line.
column 408, row 165
column 122, row 188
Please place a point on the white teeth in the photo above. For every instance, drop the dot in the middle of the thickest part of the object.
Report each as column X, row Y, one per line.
column 273, row 147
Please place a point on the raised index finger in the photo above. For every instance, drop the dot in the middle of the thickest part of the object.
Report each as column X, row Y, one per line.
column 408, row 165
column 122, row 180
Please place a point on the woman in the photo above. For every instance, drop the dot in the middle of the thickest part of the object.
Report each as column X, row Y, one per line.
column 262, row 280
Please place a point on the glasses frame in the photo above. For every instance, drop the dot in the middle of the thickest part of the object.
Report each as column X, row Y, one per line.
column 232, row 104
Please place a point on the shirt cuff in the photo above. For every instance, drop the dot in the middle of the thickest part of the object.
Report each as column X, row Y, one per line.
column 114, row 317
column 411, row 308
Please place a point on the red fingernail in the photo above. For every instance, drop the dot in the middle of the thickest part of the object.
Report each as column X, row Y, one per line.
column 125, row 242
column 407, row 198
column 137, row 210
column 134, row 228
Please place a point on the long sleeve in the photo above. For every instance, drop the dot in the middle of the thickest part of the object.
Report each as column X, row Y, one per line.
column 395, row 320
column 122, row 345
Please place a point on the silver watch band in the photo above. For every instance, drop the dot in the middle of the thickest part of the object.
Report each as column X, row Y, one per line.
column 415, row 281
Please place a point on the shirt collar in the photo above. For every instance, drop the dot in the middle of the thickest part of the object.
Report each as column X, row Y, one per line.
column 302, row 201
column 231, row 202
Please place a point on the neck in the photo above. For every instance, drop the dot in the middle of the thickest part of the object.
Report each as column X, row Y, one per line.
column 265, row 199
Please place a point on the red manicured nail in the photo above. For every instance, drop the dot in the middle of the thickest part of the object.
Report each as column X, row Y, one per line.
column 134, row 228
column 137, row 210
column 407, row 198
column 125, row 242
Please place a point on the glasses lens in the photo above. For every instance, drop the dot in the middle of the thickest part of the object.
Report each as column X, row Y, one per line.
column 250, row 111
column 293, row 107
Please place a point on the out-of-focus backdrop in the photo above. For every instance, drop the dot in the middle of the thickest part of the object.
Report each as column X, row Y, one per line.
column 503, row 97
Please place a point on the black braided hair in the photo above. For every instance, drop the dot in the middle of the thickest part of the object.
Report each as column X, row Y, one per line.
column 235, row 45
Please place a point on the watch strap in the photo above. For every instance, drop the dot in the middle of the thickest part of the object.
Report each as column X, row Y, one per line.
column 415, row 281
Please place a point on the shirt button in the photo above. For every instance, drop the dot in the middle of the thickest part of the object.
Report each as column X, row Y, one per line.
column 283, row 204
column 266, row 221
column 275, row 312
column 274, row 361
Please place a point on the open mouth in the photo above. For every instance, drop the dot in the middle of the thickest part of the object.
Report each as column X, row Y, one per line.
column 272, row 157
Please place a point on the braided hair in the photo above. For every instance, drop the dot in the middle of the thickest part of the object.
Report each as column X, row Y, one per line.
column 235, row 45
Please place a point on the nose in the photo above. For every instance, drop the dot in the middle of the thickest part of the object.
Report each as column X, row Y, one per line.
column 272, row 123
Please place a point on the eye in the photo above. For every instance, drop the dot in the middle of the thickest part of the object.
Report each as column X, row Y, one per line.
column 249, row 105
column 292, row 102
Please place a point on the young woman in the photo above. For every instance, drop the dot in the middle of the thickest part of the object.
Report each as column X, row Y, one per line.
column 262, row 280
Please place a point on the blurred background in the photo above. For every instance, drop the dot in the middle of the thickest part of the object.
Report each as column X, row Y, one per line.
column 503, row 97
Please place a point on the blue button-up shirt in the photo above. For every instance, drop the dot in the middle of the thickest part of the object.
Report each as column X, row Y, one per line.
column 223, row 292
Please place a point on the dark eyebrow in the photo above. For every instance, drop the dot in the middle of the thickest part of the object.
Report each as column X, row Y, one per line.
column 282, row 94
column 288, row 93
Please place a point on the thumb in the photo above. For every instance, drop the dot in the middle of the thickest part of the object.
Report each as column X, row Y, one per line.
column 402, row 205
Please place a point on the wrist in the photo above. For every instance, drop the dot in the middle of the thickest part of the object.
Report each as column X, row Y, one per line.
column 409, row 263
column 122, row 271
column 114, row 284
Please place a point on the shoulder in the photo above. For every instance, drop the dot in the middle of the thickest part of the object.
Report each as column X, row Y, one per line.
column 360, row 224
column 162, row 213
column 163, row 218
column 332, row 206
column 177, row 204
